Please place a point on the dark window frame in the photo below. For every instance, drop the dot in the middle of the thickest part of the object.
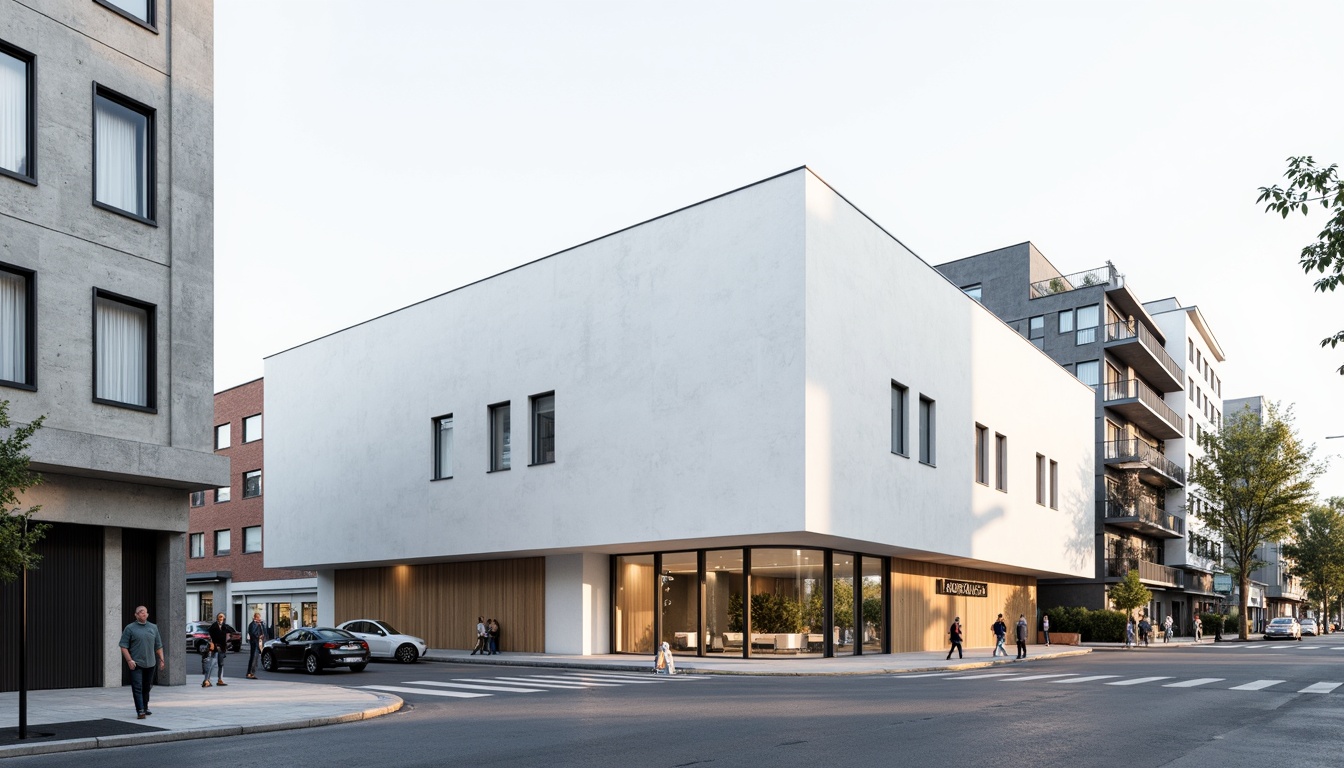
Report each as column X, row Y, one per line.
column 151, row 153
column 928, row 431
column 435, row 435
column 247, row 551
column 197, row 499
column 496, row 451
column 245, row 420
column 256, row 495
column 536, row 428
column 151, row 351
column 982, row 454
column 29, row 59
column 1000, row 462
column 228, row 488
column 30, row 334
column 150, row 9
column 900, row 419
column 191, row 539
column 222, row 552
column 219, row 447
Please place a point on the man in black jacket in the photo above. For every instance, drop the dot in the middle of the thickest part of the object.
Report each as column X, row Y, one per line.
column 256, row 637
column 214, row 655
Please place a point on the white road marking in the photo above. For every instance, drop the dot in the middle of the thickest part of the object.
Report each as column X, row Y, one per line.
column 1087, row 679
column 1320, row 688
column 982, row 677
column 926, row 674
column 403, row 689
column 539, row 684
column 571, row 679
column 1196, row 682
column 1038, row 677
column 1257, row 685
column 1139, row 680
column 475, row 687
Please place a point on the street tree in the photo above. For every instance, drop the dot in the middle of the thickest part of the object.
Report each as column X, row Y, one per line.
column 1257, row 478
column 1317, row 552
column 1309, row 185
column 1130, row 593
column 18, row 534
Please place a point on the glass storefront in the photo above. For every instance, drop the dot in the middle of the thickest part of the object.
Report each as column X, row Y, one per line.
column 766, row 601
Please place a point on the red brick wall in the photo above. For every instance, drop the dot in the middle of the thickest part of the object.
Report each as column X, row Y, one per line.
column 231, row 407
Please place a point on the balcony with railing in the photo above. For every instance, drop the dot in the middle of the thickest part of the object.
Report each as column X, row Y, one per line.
column 1142, row 516
column 1150, row 463
column 1153, row 573
column 1105, row 276
column 1201, row 583
column 1139, row 348
column 1138, row 402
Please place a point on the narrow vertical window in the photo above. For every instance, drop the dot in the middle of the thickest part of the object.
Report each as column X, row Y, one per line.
column 1066, row 321
column 252, row 484
column 252, row 539
column 17, row 102
column 1054, row 485
column 123, row 351
column 1191, row 343
column 500, row 437
column 222, row 542
column 123, row 155
column 900, row 432
column 197, row 545
column 1040, row 479
column 1036, row 330
column 252, row 428
column 1088, row 318
column 981, row 455
column 1000, row 462
column 223, row 436
column 198, row 499
column 17, row 336
column 443, row 447
column 543, row 428
column 927, row 431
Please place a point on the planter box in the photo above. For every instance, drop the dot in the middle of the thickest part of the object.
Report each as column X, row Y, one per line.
column 1060, row 638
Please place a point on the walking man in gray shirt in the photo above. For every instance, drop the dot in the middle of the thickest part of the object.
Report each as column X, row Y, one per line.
column 140, row 644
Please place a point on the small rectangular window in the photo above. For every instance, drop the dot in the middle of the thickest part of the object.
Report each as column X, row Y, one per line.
column 443, row 447
column 197, row 545
column 1088, row 319
column 543, row 428
column 18, row 102
column 972, row 290
column 1000, row 462
column 222, row 493
column 252, row 428
column 501, row 438
column 123, row 155
column 252, row 484
column 928, row 431
column 198, row 499
column 140, row 11
column 1066, row 321
column 1036, row 330
column 1190, row 430
column 1191, row 343
column 123, row 351
column 18, row 337
column 252, row 539
column 223, row 436
column 1040, row 479
column 981, row 455
column 1054, row 485
column 1089, row 372
column 900, row 432
column 221, row 542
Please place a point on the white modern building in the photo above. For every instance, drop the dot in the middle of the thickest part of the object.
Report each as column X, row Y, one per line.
column 756, row 425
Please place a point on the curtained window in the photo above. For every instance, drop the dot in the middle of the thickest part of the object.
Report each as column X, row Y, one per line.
column 123, row 352
column 123, row 167
column 16, row 112
column 16, row 326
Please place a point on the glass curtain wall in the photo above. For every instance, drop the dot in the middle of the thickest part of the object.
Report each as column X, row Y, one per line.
column 679, row 591
column 634, row 604
column 724, row 580
column 873, row 608
column 842, row 604
column 787, row 601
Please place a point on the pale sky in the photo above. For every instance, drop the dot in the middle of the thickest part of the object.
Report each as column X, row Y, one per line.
column 371, row 155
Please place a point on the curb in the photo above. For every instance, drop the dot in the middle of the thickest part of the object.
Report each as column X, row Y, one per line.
column 393, row 703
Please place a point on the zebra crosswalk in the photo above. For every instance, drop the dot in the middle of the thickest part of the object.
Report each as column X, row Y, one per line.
column 1073, row 678
column 481, row 687
column 1289, row 646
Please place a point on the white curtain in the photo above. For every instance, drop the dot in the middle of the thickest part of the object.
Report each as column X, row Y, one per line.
column 123, row 353
column 123, row 162
column 13, row 327
column 13, row 114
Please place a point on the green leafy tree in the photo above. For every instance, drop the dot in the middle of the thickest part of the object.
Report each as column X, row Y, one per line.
column 16, row 548
column 1308, row 185
column 1317, row 552
column 1130, row 593
column 1257, row 476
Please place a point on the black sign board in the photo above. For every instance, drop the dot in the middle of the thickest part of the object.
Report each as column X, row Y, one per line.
column 962, row 588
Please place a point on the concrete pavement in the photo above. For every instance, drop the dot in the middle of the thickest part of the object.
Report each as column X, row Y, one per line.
column 94, row 718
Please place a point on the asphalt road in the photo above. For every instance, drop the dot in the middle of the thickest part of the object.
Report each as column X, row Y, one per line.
column 1225, row 706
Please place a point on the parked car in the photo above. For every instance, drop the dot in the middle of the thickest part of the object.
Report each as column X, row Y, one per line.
column 198, row 637
column 1283, row 628
column 314, row 649
column 1309, row 627
column 385, row 642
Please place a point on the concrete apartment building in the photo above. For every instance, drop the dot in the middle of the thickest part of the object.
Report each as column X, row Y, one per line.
column 106, row 312
column 1095, row 326
column 225, row 546
column 758, row 425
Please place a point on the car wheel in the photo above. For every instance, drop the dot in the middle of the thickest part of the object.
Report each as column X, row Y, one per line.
column 358, row 667
column 311, row 665
column 406, row 654
column 268, row 661
column 201, row 645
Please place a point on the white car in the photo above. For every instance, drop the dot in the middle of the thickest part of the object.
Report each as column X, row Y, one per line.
column 1309, row 627
column 384, row 641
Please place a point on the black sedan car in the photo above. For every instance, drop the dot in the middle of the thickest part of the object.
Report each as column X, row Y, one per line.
column 314, row 649
column 198, row 637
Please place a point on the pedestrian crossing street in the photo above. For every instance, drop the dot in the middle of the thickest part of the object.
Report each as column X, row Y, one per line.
column 1074, row 678
column 480, row 687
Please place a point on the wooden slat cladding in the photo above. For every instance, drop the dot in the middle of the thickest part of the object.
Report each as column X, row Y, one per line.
column 920, row 617
column 440, row 601
column 65, row 614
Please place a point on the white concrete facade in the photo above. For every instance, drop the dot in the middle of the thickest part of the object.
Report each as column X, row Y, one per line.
column 722, row 376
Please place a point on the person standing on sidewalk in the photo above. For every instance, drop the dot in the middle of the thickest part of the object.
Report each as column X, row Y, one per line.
column 1000, row 635
column 1145, row 629
column 140, row 643
column 492, row 629
column 482, row 637
column 954, row 632
column 1129, row 633
column 1199, row 628
column 214, row 657
column 1045, row 628
column 1021, row 636
column 1166, row 629
column 256, row 636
